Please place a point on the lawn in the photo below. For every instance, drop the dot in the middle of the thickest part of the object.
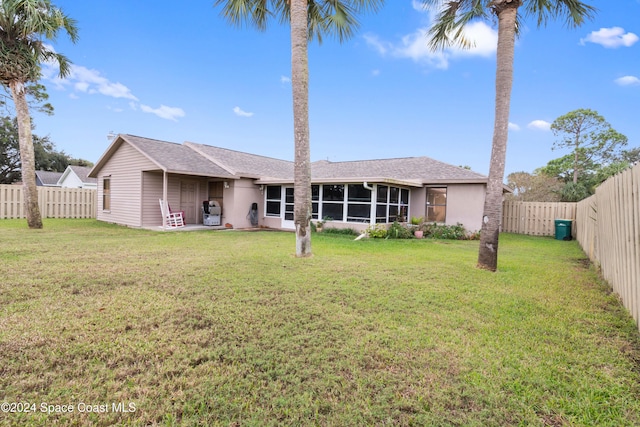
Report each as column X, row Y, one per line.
column 134, row 327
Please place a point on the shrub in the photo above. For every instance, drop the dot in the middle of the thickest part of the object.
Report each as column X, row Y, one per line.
column 377, row 231
column 399, row 231
column 441, row 231
column 343, row 231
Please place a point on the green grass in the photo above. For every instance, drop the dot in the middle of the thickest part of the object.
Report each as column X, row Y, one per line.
column 229, row 328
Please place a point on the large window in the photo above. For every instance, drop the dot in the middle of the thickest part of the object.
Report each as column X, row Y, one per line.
column 392, row 204
column 274, row 196
column 106, row 193
column 436, row 204
column 358, row 203
column 333, row 202
column 343, row 202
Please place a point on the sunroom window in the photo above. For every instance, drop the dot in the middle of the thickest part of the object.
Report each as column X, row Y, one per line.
column 333, row 201
column 358, row 203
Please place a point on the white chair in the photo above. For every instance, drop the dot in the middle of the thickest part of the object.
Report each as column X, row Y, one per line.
column 173, row 219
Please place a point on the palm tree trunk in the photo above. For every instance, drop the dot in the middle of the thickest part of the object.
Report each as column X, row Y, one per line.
column 507, row 11
column 302, row 159
column 27, row 155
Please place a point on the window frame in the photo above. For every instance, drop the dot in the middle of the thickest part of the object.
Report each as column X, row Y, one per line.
column 106, row 193
column 433, row 206
column 277, row 200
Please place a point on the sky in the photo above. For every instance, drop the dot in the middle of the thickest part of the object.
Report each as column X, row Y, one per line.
column 177, row 71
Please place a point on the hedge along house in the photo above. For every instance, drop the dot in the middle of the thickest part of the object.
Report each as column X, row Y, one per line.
column 135, row 172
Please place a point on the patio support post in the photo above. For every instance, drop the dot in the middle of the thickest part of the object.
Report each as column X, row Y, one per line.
column 165, row 181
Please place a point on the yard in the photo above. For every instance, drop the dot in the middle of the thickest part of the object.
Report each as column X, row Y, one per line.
column 104, row 325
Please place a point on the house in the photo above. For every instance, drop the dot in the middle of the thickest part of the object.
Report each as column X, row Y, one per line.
column 135, row 172
column 47, row 178
column 77, row 177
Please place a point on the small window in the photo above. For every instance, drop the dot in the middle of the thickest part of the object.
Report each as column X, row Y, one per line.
column 273, row 198
column 106, row 193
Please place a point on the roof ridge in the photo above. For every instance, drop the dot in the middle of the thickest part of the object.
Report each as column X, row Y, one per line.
column 193, row 146
column 239, row 152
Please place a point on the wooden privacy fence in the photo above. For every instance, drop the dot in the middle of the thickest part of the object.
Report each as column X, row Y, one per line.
column 609, row 233
column 535, row 218
column 55, row 202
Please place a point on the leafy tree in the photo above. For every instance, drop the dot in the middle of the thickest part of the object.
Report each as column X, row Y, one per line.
column 590, row 138
column 25, row 26
column 37, row 98
column 448, row 30
column 536, row 187
column 631, row 156
column 309, row 19
column 47, row 157
column 574, row 192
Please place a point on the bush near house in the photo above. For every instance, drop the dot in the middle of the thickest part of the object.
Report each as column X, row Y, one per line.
column 431, row 230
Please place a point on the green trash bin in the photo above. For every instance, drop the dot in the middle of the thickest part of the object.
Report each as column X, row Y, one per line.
column 563, row 229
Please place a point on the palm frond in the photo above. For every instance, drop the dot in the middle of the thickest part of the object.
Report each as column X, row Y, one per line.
column 574, row 12
column 24, row 26
column 451, row 20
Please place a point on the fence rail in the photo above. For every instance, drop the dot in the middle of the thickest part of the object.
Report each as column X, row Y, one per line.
column 535, row 218
column 55, row 202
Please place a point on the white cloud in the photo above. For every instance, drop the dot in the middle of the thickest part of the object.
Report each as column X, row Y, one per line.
column 373, row 41
column 513, row 126
column 418, row 5
column 628, row 81
column 285, row 79
column 482, row 38
column 91, row 81
column 612, row 38
column 164, row 112
column 241, row 113
column 540, row 125
column 84, row 80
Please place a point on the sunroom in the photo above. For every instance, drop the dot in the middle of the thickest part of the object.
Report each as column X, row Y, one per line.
column 346, row 204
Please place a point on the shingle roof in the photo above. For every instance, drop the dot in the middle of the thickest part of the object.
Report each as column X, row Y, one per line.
column 83, row 173
column 176, row 158
column 206, row 160
column 245, row 164
column 48, row 178
column 422, row 170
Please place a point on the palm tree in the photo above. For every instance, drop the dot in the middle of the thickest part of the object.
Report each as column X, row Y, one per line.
column 25, row 25
column 448, row 30
column 309, row 19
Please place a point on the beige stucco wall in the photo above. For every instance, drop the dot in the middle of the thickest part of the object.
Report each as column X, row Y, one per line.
column 465, row 204
column 237, row 202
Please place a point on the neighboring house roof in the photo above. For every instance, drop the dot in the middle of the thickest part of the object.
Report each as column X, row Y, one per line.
column 205, row 160
column 47, row 178
column 82, row 172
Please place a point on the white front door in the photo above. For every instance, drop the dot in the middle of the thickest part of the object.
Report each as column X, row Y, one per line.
column 287, row 204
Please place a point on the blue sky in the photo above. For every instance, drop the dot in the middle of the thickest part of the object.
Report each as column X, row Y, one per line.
column 181, row 73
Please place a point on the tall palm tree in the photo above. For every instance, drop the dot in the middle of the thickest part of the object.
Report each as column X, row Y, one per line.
column 25, row 26
column 448, row 30
column 309, row 19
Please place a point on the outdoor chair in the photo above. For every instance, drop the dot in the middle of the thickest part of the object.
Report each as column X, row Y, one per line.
column 173, row 219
